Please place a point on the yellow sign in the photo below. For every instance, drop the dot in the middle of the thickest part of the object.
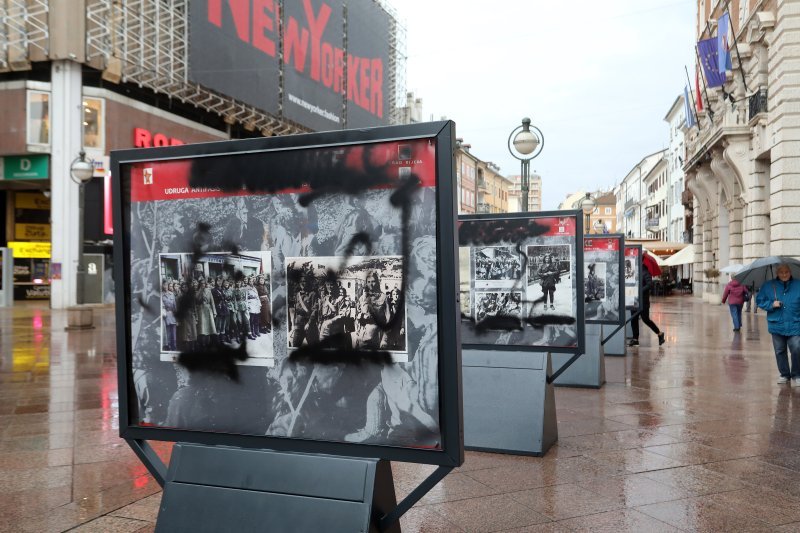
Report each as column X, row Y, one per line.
column 31, row 200
column 32, row 232
column 30, row 250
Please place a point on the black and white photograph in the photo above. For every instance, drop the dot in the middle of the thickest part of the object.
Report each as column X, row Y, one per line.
column 550, row 280
column 492, row 307
column 353, row 303
column 216, row 299
column 497, row 266
column 464, row 280
column 631, row 277
column 594, row 282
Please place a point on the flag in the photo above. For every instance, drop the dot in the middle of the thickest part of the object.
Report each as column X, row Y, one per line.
column 724, row 43
column 707, row 49
column 687, row 108
column 697, row 89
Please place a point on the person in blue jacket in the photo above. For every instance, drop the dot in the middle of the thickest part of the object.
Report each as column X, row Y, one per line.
column 780, row 298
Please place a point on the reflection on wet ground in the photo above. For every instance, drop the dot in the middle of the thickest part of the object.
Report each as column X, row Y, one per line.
column 693, row 436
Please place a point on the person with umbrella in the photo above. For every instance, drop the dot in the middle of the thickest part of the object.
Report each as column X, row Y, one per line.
column 735, row 294
column 780, row 298
column 650, row 269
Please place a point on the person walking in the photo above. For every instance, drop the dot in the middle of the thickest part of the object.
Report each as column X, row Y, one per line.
column 780, row 298
column 646, row 280
column 735, row 294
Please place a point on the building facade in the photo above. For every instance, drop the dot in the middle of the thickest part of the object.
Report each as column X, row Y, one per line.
column 98, row 75
column 678, row 227
column 742, row 163
column 632, row 197
column 480, row 187
column 603, row 218
column 534, row 193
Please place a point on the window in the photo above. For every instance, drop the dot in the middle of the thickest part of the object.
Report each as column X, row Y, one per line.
column 38, row 118
column 94, row 123
column 607, row 211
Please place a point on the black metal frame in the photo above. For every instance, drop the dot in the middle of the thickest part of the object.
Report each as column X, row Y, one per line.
column 621, row 303
column 441, row 133
column 578, row 216
column 638, row 276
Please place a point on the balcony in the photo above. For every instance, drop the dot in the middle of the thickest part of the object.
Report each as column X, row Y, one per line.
column 652, row 223
column 757, row 104
column 482, row 185
column 483, row 207
column 687, row 199
column 630, row 202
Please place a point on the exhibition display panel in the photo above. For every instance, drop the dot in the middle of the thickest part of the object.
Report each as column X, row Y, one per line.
column 633, row 278
column 602, row 278
column 521, row 290
column 522, row 281
column 294, row 293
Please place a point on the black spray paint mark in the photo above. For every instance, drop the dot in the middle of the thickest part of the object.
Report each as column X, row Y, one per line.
column 491, row 232
column 332, row 350
column 220, row 359
column 323, row 171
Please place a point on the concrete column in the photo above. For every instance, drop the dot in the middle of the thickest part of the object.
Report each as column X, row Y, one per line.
column 735, row 210
column 756, row 234
column 784, row 84
column 66, row 141
column 708, row 252
column 697, row 241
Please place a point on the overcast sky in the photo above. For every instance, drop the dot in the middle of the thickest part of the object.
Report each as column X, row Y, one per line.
column 597, row 77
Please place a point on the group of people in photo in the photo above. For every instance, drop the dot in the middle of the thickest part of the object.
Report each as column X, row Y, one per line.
column 320, row 309
column 491, row 304
column 205, row 311
column 502, row 267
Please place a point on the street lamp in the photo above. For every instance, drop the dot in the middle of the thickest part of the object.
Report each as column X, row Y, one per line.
column 81, row 171
column 525, row 144
column 587, row 205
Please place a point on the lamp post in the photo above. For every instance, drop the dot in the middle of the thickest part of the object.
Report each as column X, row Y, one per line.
column 81, row 171
column 525, row 143
column 587, row 205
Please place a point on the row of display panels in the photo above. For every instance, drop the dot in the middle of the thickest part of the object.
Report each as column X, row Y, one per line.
column 301, row 293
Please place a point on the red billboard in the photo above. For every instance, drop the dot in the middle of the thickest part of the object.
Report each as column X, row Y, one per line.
column 334, row 69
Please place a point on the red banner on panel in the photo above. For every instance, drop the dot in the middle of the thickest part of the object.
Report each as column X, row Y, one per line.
column 559, row 225
column 169, row 180
column 600, row 244
column 631, row 251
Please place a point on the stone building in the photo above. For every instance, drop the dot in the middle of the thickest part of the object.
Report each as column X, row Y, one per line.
column 534, row 193
column 742, row 164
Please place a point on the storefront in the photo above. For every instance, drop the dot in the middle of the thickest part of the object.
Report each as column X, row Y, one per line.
column 111, row 121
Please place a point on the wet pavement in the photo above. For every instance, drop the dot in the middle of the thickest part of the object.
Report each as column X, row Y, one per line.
column 692, row 436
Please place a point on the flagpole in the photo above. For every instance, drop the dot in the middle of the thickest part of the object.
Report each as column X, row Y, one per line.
column 694, row 108
column 736, row 47
column 702, row 77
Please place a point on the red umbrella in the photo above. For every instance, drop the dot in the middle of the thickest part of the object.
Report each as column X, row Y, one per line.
column 651, row 265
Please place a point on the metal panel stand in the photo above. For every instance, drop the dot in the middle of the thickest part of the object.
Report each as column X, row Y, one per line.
column 509, row 407
column 6, row 277
column 628, row 328
column 615, row 345
column 217, row 488
column 589, row 370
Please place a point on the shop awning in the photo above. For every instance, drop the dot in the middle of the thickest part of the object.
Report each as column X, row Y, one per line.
column 684, row 257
